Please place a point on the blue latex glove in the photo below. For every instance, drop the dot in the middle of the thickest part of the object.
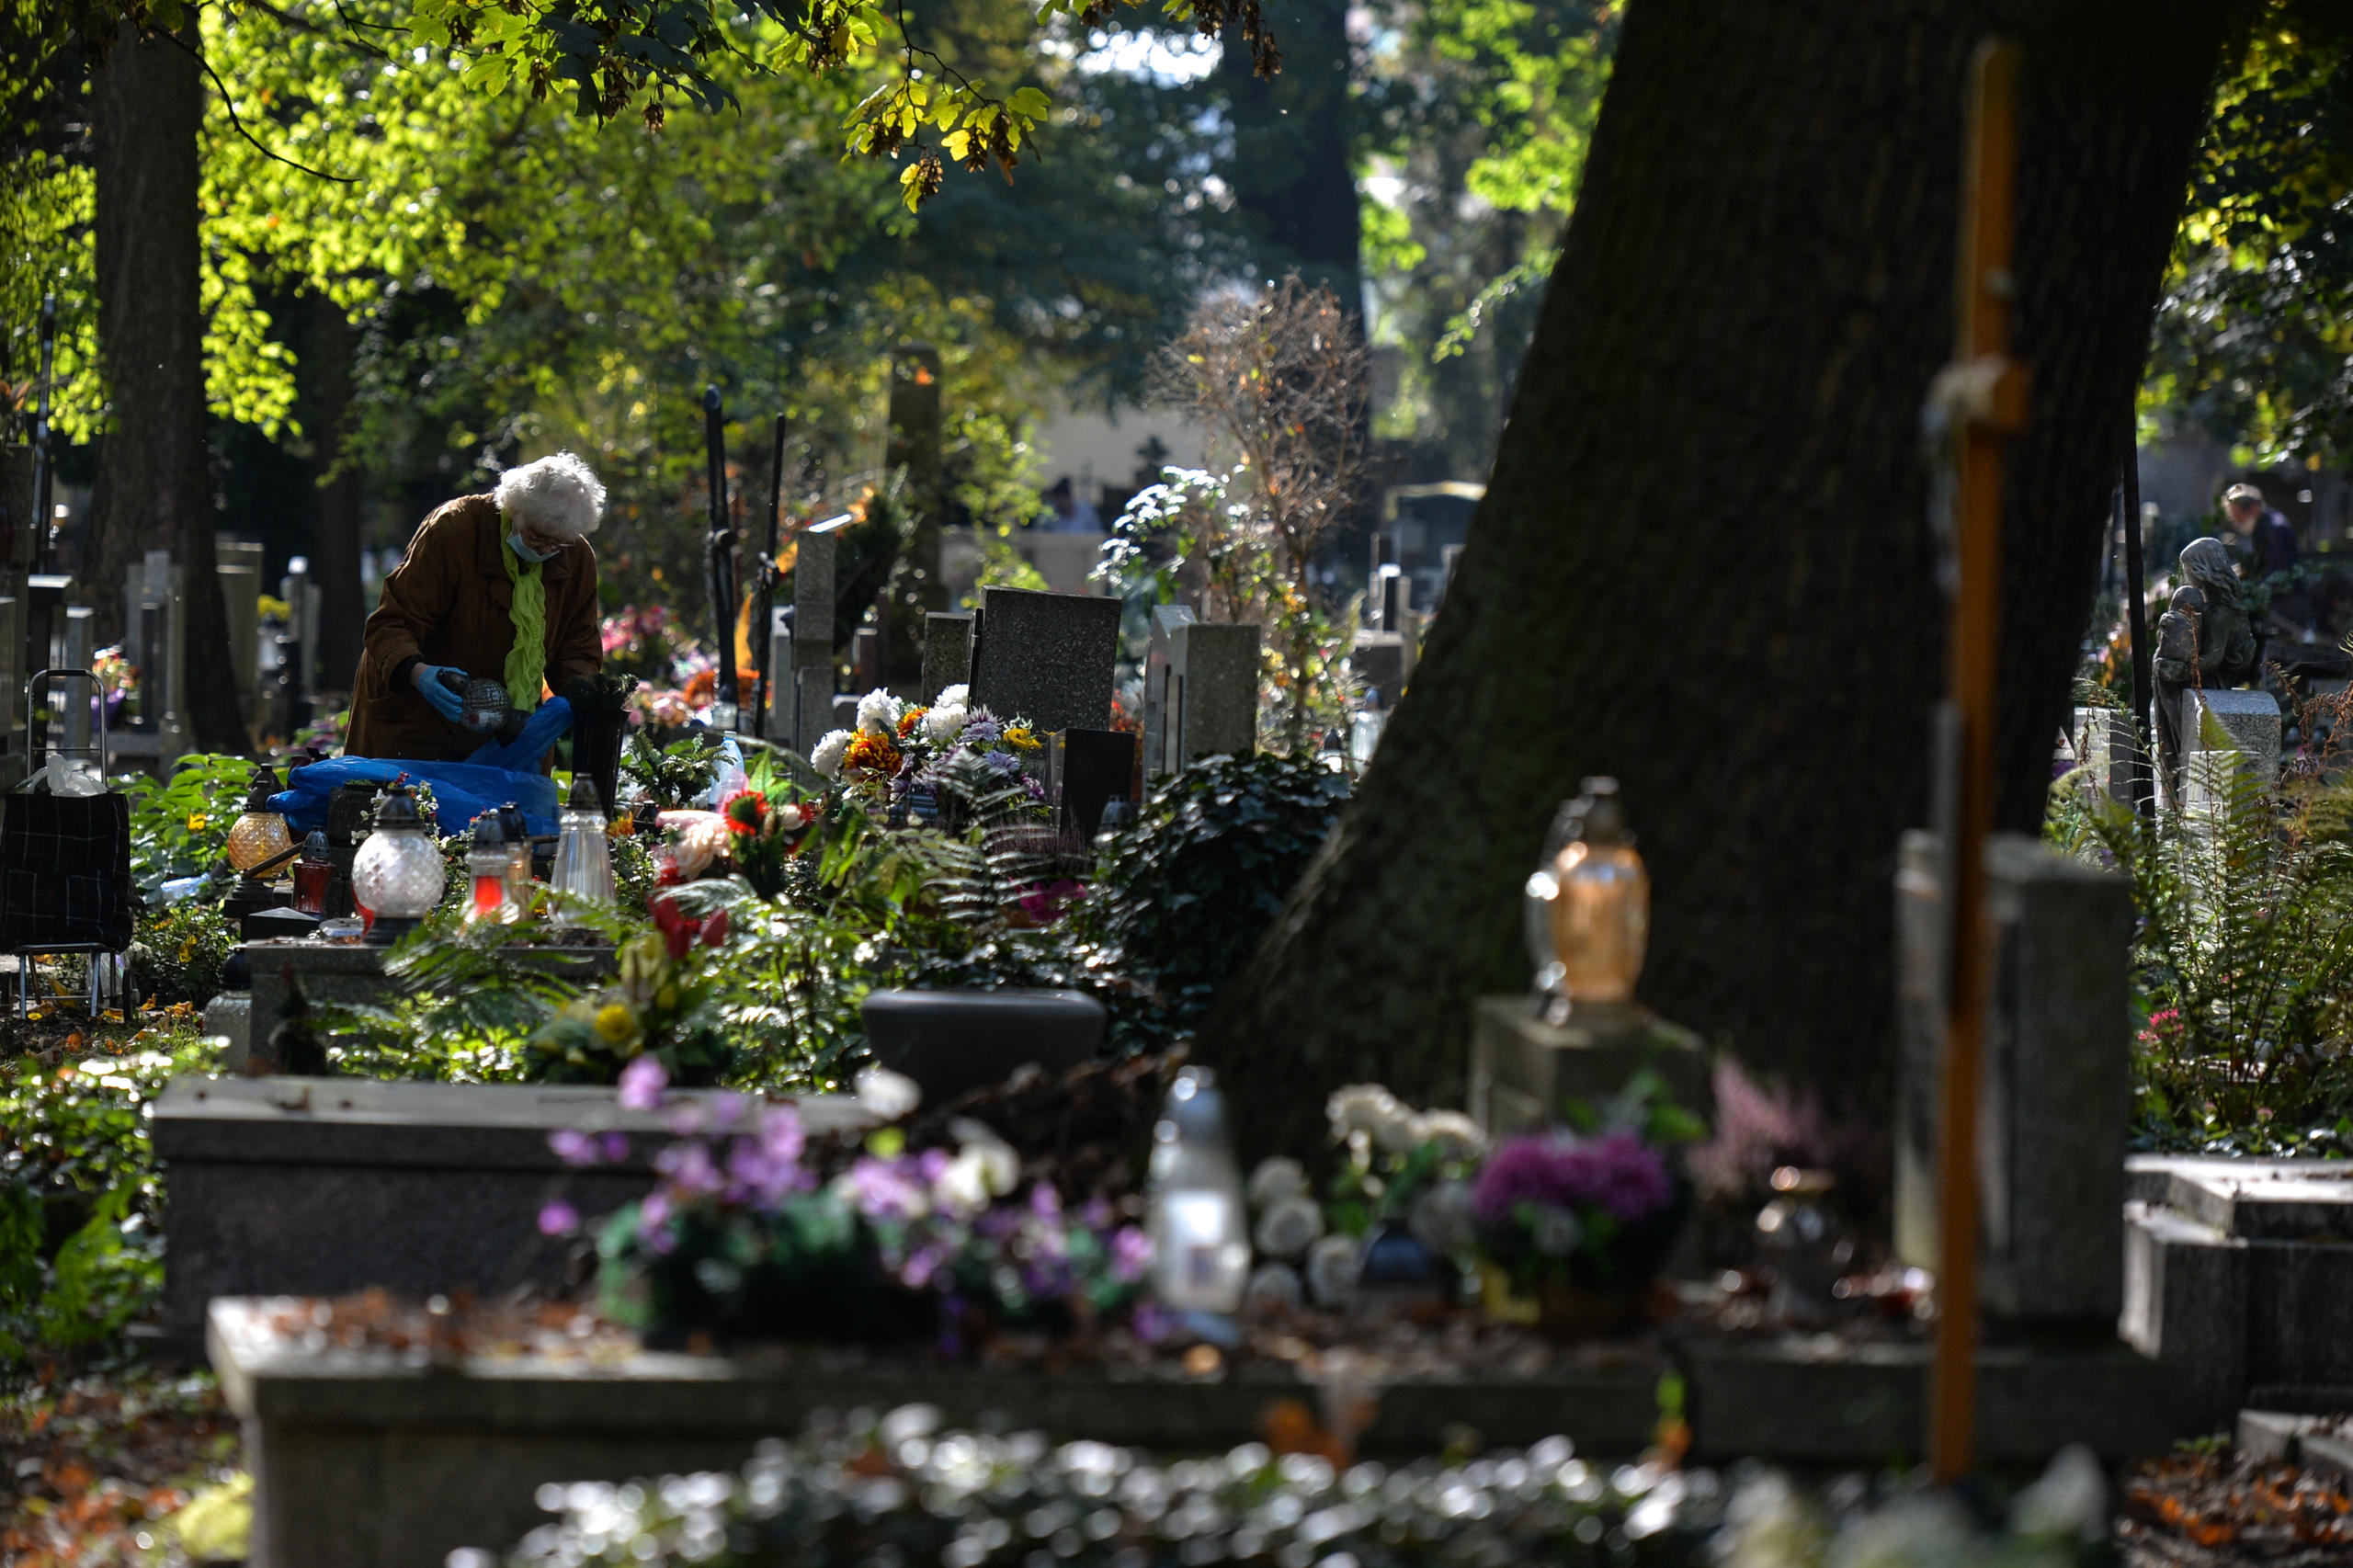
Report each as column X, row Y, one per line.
column 446, row 702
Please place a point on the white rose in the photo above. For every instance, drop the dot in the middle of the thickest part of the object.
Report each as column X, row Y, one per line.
column 1278, row 1176
column 1457, row 1136
column 1274, row 1286
column 827, row 755
column 1399, row 1132
column 1332, row 1266
column 887, row 1093
column 877, row 710
column 790, row 819
column 1360, row 1107
column 1289, row 1228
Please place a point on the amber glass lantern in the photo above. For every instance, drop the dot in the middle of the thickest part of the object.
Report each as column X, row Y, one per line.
column 259, row 848
column 1589, row 905
column 397, row 876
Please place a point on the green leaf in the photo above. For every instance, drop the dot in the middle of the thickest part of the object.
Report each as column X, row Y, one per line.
column 1031, row 102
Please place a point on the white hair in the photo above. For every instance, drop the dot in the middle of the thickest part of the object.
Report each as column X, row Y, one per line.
column 557, row 496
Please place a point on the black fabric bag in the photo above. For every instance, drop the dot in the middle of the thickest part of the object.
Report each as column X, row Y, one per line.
column 64, row 873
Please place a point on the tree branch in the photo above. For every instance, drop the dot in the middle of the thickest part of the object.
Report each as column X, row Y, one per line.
column 228, row 104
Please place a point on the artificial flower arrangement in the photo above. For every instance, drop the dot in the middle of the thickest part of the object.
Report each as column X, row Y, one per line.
column 655, row 1012
column 1571, row 1222
column 744, row 1238
column 965, row 757
column 749, row 835
column 1402, row 1182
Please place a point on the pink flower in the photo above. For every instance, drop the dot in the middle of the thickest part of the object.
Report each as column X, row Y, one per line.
column 643, row 1082
column 559, row 1219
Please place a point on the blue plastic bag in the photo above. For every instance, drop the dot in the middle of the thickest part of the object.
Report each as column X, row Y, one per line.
column 461, row 791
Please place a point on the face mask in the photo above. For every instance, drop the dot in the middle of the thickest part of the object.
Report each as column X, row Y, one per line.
column 515, row 542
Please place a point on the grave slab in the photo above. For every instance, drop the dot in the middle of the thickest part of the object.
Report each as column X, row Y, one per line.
column 353, row 973
column 1046, row 657
column 344, row 1444
column 325, row 1186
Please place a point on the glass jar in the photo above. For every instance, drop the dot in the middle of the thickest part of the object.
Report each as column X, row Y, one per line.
column 1200, row 1237
column 485, row 706
column 259, row 835
column 490, row 870
column 1601, row 904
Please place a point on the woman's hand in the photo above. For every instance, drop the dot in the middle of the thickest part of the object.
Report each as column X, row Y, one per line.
column 443, row 686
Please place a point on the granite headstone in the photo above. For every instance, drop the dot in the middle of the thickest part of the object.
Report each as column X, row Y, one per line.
column 947, row 652
column 1047, row 658
column 1213, row 692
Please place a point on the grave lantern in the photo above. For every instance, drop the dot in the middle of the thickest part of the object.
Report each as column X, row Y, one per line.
column 397, row 876
column 258, row 848
column 1589, row 903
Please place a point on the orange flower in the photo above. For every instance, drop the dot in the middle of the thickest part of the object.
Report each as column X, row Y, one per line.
column 871, row 755
column 909, row 719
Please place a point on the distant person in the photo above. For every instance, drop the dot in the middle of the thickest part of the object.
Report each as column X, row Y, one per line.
column 484, row 575
column 1068, row 512
column 2271, row 546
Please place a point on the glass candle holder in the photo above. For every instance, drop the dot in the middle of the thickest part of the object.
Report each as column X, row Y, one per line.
column 1600, row 903
column 259, row 834
column 397, row 876
column 583, row 862
column 486, row 706
column 491, row 869
column 313, row 874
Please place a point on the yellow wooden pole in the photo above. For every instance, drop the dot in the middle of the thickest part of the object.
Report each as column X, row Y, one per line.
column 1987, row 393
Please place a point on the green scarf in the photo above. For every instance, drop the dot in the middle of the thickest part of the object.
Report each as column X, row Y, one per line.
column 527, row 661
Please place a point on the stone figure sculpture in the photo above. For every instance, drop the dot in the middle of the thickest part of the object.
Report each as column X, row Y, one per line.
column 2204, row 642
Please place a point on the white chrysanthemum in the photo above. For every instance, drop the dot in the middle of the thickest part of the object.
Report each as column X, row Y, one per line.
column 827, row 755
column 953, row 697
column 1273, row 1288
column 887, row 1093
column 1332, row 1266
column 1289, row 1228
column 1362, row 1108
column 1457, row 1136
column 790, row 819
column 1278, row 1176
column 877, row 713
column 946, row 720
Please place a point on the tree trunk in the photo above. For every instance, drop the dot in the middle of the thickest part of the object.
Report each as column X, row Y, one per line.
column 1703, row 563
column 334, row 538
column 153, row 485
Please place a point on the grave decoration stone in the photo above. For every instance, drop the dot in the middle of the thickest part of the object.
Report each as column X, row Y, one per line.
column 1159, row 739
column 1048, row 658
column 1525, row 1073
column 1378, row 660
column 1085, row 771
column 2055, row 1085
column 947, row 652
column 1212, row 693
column 2238, row 1277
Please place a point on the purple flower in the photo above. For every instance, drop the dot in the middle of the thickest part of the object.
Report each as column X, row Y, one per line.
column 575, row 1148
column 643, row 1082
column 653, row 1223
column 614, row 1146
column 1045, row 1202
column 885, row 1189
column 781, row 1135
column 982, row 730
column 689, row 1168
column 1617, row 1173
column 1002, row 761
column 559, row 1219
column 1037, row 790
column 1131, row 1255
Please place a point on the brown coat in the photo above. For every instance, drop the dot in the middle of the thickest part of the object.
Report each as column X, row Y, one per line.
column 450, row 603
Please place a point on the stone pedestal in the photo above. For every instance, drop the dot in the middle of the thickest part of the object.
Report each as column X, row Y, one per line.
column 1048, row 658
column 1524, row 1070
column 2055, row 1080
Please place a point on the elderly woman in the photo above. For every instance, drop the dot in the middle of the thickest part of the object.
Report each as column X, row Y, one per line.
column 503, row 584
column 2204, row 642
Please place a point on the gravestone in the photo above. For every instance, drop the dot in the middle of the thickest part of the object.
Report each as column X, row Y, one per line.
column 1159, row 678
column 1212, row 692
column 2101, row 743
column 845, row 712
column 813, row 631
column 780, row 706
column 1047, row 658
column 1526, row 1073
column 1378, row 660
column 2248, row 722
column 1086, row 770
column 868, row 652
column 947, row 652
column 2239, row 1277
column 2055, row 1087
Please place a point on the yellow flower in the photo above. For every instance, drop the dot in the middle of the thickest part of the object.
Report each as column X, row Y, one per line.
column 615, row 1023
column 187, row 949
column 196, row 821
column 1020, row 737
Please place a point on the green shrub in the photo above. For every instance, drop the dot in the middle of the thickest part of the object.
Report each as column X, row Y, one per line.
column 180, row 827
column 179, row 951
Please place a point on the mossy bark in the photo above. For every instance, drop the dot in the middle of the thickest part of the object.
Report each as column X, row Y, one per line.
column 1704, row 563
